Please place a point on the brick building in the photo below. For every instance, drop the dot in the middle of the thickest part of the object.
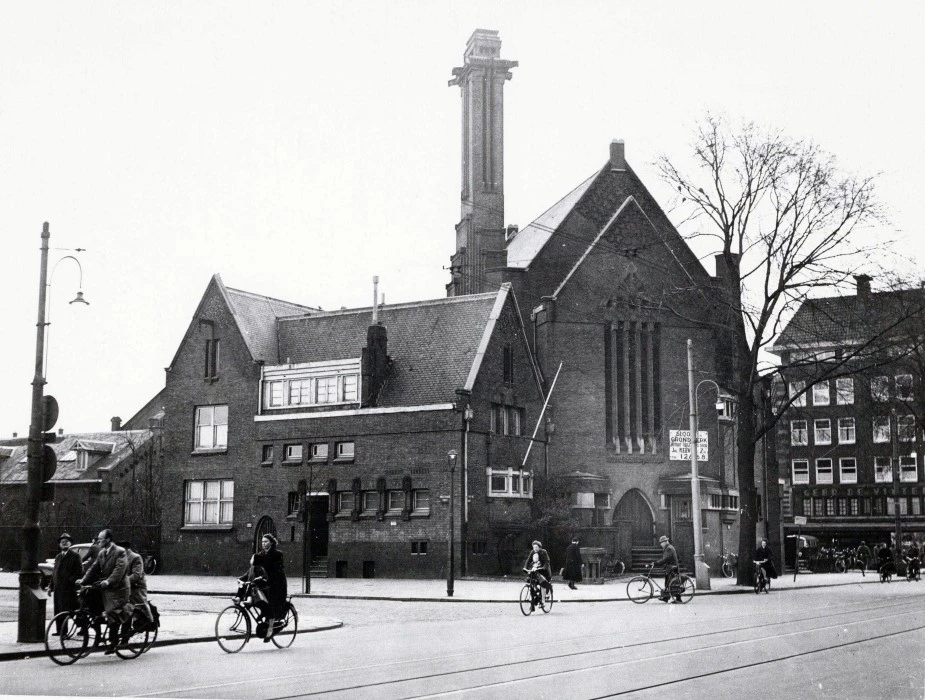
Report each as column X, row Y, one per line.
column 612, row 292
column 359, row 409
column 848, row 447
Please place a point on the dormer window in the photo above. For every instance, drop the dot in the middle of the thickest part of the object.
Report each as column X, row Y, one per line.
column 311, row 384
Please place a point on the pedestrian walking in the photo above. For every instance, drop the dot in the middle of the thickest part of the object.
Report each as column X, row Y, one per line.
column 572, row 570
column 68, row 570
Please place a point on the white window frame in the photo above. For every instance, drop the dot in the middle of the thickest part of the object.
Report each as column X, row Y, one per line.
column 821, row 394
column 822, row 431
column 908, row 469
column 825, row 474
column 800, row 468
column 518, row 483
column 319, row 451
column 798, row 387
column 847, row 470
column 327, row 383
column 420, row 502
column 208, row 427
column 844, row 391
column 883, row 470
column 342, row 498
column 392, row 495
column 799, row 432
column 370, row 503
column 847, row 431
column 198, row 502
column 881, row 429
column 292, row 453
column 345, row 451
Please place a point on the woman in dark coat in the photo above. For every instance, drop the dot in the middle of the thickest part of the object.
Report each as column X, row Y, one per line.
column 572, row 570
column 270, row 559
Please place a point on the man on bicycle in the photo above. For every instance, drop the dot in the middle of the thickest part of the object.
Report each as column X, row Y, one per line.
column 109, row 572
column 912, row 560
column 862, row 554
column 670, row 561
column 538, row 564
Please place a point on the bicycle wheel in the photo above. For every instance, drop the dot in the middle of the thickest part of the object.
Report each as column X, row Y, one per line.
column 286, row 628
column 687, row 589
column 152, row 637
column 547, row 599
column 70, row 643
column 526, row 600
column 134, row 646
column 232, row 629
column 150, row 566
column 727, row 569
column 758, row 584
column 639, row 589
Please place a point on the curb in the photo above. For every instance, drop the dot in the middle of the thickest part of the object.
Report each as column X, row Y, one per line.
column 36, row 653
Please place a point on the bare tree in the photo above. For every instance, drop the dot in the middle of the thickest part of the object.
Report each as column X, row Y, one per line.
column 783, row 222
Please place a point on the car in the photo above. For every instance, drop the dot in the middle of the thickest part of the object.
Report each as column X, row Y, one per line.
column 47, row 566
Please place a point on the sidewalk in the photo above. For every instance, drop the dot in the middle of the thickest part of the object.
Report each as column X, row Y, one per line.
column 185, row 627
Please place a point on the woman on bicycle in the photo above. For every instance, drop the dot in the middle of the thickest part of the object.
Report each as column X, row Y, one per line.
column 270, row 559
column 764, row 558
column 538, row 563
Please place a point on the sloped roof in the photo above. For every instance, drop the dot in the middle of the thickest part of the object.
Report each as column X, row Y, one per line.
column 256, row 316
column 836, row 321
column 529, row 241
column 113, row 447
column 433, row 344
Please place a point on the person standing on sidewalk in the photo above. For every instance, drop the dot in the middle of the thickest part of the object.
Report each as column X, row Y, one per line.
column 67, row 571
column 572, row 570
column 862, row 555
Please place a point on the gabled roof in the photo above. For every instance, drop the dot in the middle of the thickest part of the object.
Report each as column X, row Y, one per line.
column 837, row 321
column 111, row 448
column 435, row 346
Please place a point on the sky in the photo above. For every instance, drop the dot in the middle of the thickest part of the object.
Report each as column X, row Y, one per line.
column 300, row 148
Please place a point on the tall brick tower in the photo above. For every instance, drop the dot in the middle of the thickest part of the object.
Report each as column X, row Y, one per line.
column 480, row 231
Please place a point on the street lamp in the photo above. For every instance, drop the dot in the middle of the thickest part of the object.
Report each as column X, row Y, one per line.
column 451, row 463
column 894, row 464
column 40, row 465
column 723, row 405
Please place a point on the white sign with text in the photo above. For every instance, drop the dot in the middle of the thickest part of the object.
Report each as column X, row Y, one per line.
column 679, row 445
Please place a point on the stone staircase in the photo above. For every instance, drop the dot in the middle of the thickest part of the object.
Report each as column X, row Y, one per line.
column 641, row 557
column 319, row 567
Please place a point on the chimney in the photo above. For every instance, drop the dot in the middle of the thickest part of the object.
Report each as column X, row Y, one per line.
column 60, row 432
column 116, row 424
column 375, row 363
column 617, row 156
column 375, row 300
column 863, row 285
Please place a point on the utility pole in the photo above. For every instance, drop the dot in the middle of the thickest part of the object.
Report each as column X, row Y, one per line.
column 894, row 463
column 700, row 568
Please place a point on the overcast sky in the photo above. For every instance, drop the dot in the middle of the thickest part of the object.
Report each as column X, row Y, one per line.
column 300, row 148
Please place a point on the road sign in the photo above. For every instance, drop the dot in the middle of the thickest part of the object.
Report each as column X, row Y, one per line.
column 799, row 520
column 679, row 445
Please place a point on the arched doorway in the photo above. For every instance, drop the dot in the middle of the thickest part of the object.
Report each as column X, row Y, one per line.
column 264, row 526
column 635, row 521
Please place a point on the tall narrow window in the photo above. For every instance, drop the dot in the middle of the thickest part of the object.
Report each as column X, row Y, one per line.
column 880, row 388
column 797, row 393
column 908, row 468
column 905, row 428
column 846, row 431
column 798, row 432
column 212, row 357
column 904, row 386
column 883, row 473
column 847, row 470
column 881, row 428
column 800, row 471
column 508, row 365
column 823, row 430
column 824, row 471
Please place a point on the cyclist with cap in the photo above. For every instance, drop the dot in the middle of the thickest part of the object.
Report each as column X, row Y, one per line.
column 538, row 564
column 670, row 561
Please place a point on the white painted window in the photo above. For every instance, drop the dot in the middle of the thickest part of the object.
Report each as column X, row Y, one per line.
column 800, row 471
column 823, row 431
column 880, row 388
column 209, row 502
column 311, row 383
column 798, row 433
column 211, row 427
column 844, row 391
column 883, row 473
column 797, row 389
column 908, row 468
column 824, row 471
column 345, row 450
column 848, row 470
column 846, row 431
column 319, row 451
column 420, row 501
column 396, row 501
column 293, row 453
column 515, row 483
column 821, row 394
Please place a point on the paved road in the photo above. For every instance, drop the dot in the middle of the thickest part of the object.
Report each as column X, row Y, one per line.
column 839, row 642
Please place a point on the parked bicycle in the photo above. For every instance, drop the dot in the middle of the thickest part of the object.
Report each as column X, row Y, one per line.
column 612, row 568
column 845, row 560
column 237, row 623
column 762, row 582
column 641, row 588
column 728, row 564
column 533, row 595
column 886, row 572
column 74, row 634
column 913, row 569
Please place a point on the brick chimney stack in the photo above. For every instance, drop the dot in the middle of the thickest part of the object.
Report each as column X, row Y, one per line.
column 862, row 283
column 116, row 424
column 375, row 363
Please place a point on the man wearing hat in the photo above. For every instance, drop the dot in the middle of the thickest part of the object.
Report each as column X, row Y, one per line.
column 670, row 561
column 67, row 571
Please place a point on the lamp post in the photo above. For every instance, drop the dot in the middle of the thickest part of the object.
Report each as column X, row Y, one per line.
column 451, row 559
column 39, row 467
column 894, row 464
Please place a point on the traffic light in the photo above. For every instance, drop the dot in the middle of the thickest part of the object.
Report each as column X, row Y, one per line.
column 49, row 460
